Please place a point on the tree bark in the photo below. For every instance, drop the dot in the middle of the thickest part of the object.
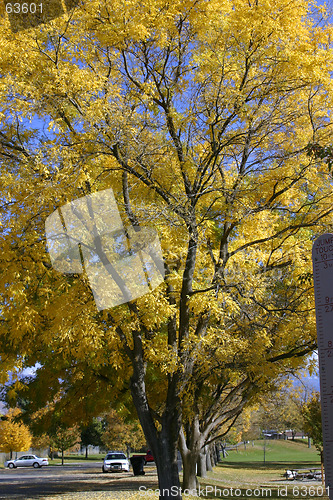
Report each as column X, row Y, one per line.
column 167, row 466
column 208, row 452
column 202, row 469
column 217, row 454
column 190, row 481
column 190, row 446
column 212, row 454
column 165, row 450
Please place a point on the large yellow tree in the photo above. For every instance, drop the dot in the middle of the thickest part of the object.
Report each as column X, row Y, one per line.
column 14, row 435
column 197, row 114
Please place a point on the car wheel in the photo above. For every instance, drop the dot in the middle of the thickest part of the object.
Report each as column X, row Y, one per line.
column 11, row 466
column 36, row 465
column 104, row 469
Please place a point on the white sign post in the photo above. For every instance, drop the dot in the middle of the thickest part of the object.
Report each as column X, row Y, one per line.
column 322, row 259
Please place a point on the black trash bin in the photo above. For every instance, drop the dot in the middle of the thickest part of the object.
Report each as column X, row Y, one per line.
column 137, row 464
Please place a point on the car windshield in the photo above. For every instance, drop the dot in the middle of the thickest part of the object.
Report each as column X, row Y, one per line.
column 118, row 456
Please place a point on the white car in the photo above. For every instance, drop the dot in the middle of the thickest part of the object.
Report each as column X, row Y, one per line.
column 27, row 461
column 116, row 461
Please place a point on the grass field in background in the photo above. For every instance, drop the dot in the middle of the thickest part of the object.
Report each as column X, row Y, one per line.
column 78, row 458
column 246, row 471
column 275, row 451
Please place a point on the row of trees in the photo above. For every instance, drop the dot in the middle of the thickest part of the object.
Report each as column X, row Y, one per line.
column 281, row 411
column 290, row 410
column 287, row 410
column 108, row 432
column 198, row 115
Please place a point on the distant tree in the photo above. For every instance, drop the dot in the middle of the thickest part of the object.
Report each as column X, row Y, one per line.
column 118, row 434
column 91, row 434
column 311, row 413
column 279, row 411
column 41, row 442
column 247, row 426
column 14, row 436
column 64, row 438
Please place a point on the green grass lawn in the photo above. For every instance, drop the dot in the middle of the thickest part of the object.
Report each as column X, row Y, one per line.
column 274, row 451
column 78, row 458
column 247, row 472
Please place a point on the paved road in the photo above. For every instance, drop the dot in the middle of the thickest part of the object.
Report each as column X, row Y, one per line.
column 23, row 483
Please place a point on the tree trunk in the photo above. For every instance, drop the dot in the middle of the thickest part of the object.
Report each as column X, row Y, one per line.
column 190, row 481
column 87, row 451
column 213, row 455
column 190, row 446
column 167, row 468
column 209, row 466
column 163, row 443
column 165, row 450
column 217, row 454
column 202, row 469
column 62, row 457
